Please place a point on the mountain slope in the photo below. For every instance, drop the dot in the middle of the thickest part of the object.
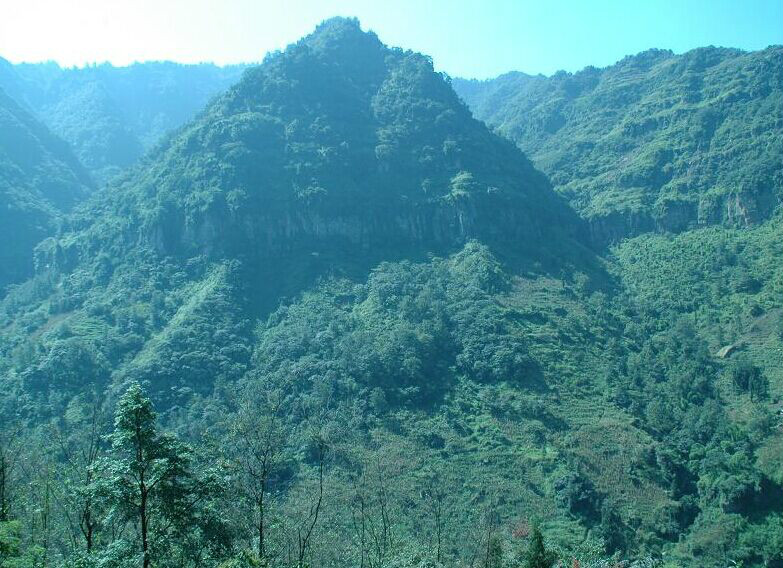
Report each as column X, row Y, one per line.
column 333, row 156
column 112, row 115
column 39, row 180
column 656, row 142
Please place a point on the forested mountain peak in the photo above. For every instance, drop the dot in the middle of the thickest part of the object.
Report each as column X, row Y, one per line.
column 338, row 140
column 336, row 36
column 331, row 157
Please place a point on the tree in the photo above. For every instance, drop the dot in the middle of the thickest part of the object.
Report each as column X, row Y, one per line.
column 148, row 477
column 375, row 498
column 493, row 557
column 79, row 445
column 747, row 377
column 435, row 496
column 260, row 439
column 9, row 453
column 304, row 531
column 537, row 555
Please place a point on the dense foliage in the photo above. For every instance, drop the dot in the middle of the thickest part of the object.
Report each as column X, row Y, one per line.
column 372, row 339
column 656, row 141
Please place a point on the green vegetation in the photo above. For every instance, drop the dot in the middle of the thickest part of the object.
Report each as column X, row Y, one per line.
column 112, row 115
column 105, row 118
column 537, row 555
column 728, row 282
column 373, row 339
column 39, row 181
column 655, row 142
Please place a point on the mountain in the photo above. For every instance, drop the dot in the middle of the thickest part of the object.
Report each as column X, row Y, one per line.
column 112, row 115
column 317, row 151
column 40, row 180
column 105, row 117
column 327, row 160
column 373, row 337
column 656, row 142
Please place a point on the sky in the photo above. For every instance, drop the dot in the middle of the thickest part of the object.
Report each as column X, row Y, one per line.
column 466, row 38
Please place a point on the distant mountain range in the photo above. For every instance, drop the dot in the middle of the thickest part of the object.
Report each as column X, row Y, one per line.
column 112, row 115
column 87, row 125
column 40, row 180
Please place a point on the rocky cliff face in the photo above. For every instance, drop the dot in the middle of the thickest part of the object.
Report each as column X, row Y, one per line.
column 438, row 225
column 741, row 209
column 614, row 227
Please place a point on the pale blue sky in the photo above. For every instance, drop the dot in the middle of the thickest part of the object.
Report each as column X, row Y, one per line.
column 468, row 38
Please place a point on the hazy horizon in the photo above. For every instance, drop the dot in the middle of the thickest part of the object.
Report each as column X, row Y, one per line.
column 469, row 40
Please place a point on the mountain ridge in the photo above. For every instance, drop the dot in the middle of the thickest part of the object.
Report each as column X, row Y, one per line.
column 652, row 131
column 344, row 175
column 112, row 115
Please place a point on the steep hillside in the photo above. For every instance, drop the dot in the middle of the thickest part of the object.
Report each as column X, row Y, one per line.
column 657, row 142
column 112, row 115
column 39, row 180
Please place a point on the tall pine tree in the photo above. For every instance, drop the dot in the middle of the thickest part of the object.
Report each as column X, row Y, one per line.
column 149, row 477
